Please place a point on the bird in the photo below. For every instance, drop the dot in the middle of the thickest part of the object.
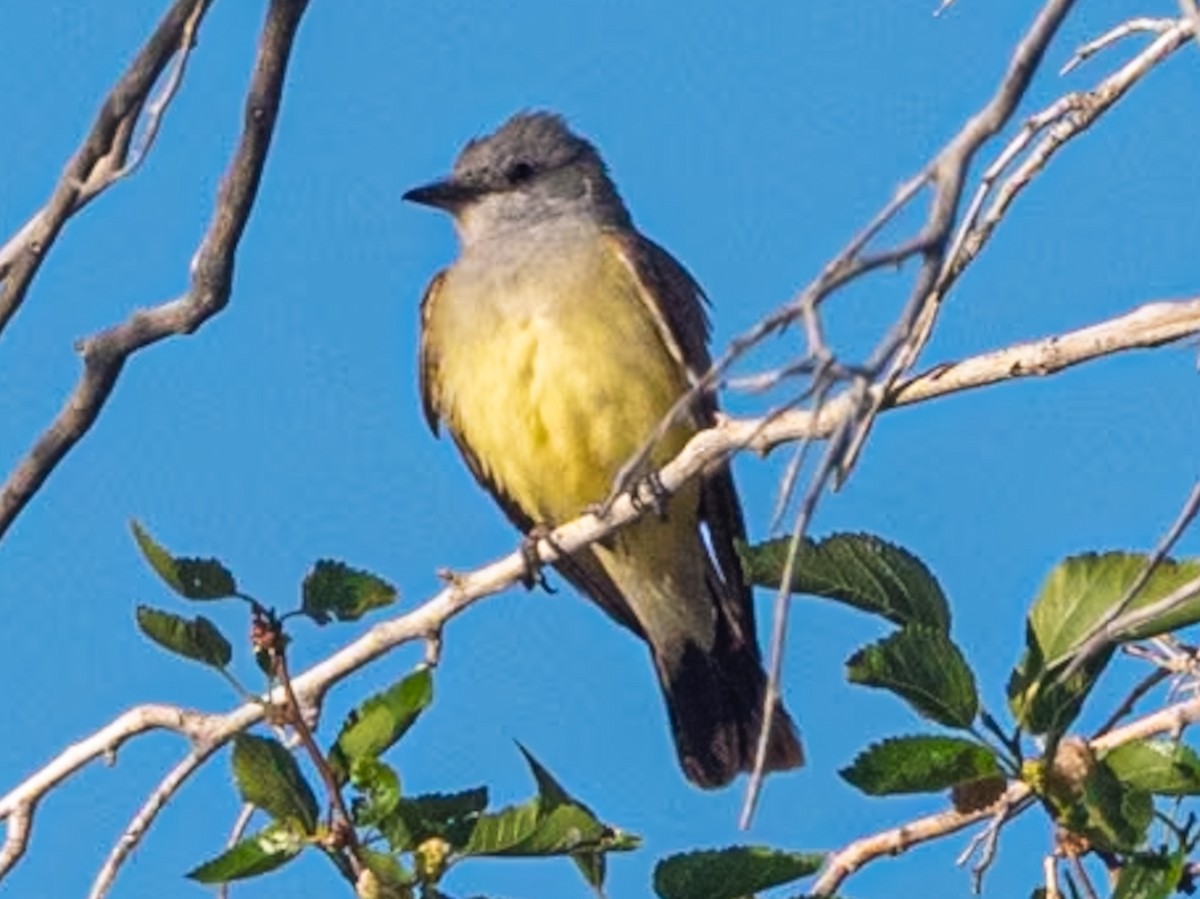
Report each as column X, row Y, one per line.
column 550, row 350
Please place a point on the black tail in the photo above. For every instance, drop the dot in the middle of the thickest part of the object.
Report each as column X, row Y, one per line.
column 715, row 701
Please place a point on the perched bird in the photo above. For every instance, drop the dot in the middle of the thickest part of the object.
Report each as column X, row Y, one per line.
column 551, row 349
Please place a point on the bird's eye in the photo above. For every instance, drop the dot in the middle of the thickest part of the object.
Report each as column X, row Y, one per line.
column 519, row 171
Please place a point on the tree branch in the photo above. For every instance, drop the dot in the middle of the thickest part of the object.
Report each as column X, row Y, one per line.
column 103, row 158
column 1149, row 326
column 105, row 353
column 896, row 840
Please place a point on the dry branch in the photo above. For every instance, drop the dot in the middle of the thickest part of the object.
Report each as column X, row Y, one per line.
column 844, row 862
column 105, row 353
column 103, row 158
column 1149, row 326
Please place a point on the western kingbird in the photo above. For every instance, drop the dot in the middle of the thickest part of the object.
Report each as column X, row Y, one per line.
column 551, row 349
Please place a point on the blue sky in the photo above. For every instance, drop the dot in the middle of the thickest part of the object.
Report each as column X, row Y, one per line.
column 752, row 142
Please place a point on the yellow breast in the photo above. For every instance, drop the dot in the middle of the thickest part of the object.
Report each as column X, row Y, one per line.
column 553, row 371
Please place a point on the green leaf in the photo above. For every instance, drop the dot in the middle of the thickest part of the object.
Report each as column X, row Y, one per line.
column 1082, row 589
column 550, row 791
column 268, row 777
column 920, row 764
column 859, row 570
column 1114, row 816
column 924, row 668
column 190, row 578
column 1163, row 767
column 380, row 721
column 272, row 847
column 1147, row 876
column 552, row 823
column 335, row 590
column 1043, row 701
column 451, row 817
column 1076, row 596
column 730, row 873
column 497, row 832
column 198, row 639
column 380, row 788
column 594, row 867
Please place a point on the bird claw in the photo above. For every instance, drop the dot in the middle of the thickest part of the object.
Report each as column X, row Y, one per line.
column 534, row 575
column 648, row 492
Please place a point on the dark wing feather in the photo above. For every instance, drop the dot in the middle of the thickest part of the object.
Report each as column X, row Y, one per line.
column 679, row 303
column 427, row 366
column 582, row 570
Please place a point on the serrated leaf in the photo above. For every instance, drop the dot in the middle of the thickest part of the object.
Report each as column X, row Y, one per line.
column 1080, row 590
column 274, row 846
column 335, row 590
column 919, row 764
column 924, row 668
column 380, row 721
column 1112, row 815
column 1163, row 767
column 552, row 823
column 268, row 777
column 1150, row 876
column 199, row 579
column 730, row 873
column 859, row 570
column 198, row 639
column 450, row 817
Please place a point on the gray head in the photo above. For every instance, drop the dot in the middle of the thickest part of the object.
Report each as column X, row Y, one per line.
column 530, row 170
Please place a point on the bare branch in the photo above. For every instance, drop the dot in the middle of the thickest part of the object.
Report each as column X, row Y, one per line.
column 105, row 353
column 137, row 828
column 1192, row 13
column 20, row 804
column 1064, row 119
column 235, row 835
column 1114, row 623
column 895, row 840
column 102, row 159
column 1140, row 25
column 1148, row 326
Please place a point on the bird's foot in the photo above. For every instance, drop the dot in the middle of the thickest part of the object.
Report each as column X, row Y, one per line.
column 648, row 492
column 534, row 575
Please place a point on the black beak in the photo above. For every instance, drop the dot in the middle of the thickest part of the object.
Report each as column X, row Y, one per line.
column 446, row 194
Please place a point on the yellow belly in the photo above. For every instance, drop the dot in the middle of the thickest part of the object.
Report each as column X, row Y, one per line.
column 554, row 375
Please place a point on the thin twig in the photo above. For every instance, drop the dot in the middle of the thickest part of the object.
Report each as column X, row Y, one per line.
column 1192, row 13
column 1088, row 887
column 1050, row 875
column 1148, row 683
column 901, row 347
column 342, row 823
column 1148, row 326
column 235, row 835
column 101, row 159
column 105, row 353
column 1110, row 625
column 893, row 841
column 1139, row 25
column 138, row 827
